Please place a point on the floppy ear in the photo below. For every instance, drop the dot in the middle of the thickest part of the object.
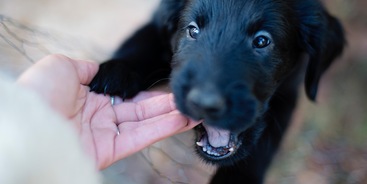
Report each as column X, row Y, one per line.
column 322, row 37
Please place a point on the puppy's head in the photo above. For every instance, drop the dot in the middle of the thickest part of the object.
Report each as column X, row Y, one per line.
column 230, row 57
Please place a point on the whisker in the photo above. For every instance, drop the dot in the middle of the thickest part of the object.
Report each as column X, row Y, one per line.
column 158, row 81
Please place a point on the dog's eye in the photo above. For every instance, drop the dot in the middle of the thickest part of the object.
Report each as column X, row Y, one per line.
column 261, row 42
column 193, row 30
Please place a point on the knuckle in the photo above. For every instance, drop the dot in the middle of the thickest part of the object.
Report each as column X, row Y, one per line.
column 140, row 112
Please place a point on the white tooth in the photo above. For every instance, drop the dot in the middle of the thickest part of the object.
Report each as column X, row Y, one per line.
column 231, row 149
column 200, row 144
column 204, row 149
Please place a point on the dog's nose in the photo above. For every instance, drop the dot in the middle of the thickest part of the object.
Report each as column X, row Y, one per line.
column 208, row 103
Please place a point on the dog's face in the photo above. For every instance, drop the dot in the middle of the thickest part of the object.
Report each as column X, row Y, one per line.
column 230, row 57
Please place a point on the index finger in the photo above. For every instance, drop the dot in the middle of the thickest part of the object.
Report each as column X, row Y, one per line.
column 145, row 109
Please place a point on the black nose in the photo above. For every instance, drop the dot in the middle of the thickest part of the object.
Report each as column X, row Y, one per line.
column 207, row 103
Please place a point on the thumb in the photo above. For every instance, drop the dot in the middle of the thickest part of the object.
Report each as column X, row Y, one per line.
column 86, row 70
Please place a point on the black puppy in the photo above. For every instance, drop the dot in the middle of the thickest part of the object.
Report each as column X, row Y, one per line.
column 236, row 64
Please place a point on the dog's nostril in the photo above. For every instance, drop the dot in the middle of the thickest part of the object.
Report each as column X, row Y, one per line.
column 207, row 103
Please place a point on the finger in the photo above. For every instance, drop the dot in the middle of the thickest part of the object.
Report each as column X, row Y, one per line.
column 139, row 97
column 133, row 140
column 144, row 109
column 145, row 95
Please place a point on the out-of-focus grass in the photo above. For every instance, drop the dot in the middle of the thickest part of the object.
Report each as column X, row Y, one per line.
column 328, row 142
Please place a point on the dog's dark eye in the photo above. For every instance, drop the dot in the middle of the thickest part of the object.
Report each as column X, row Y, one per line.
column 193, row 31
column 261, row 42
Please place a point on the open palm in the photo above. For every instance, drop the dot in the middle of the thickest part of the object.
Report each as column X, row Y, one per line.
column 108, row 132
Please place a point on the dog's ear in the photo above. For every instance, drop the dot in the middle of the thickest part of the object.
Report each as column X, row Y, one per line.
column 322, row 37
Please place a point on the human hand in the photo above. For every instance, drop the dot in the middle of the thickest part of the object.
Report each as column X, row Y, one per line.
column 108, row 133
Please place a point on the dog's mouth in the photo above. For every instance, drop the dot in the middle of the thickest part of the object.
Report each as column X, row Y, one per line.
column 216, row 144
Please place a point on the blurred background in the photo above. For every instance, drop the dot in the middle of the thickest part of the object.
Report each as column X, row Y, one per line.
column 327, row 142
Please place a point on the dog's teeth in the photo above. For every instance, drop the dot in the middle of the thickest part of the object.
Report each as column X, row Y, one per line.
column 209, row 148
column 204, row 149
column 231, row 150
column 200, row 144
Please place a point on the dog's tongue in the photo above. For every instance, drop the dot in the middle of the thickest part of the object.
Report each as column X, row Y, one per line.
column 217, row 137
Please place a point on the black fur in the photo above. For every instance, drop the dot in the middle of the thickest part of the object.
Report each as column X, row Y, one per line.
column 250, row 91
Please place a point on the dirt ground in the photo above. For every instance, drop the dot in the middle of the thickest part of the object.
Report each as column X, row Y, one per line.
column 326, row 144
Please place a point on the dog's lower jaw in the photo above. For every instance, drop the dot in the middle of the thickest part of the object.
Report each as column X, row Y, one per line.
column 238, row 148
column 222, row 149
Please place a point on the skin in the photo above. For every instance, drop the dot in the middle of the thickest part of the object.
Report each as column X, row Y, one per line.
column 147, row 118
